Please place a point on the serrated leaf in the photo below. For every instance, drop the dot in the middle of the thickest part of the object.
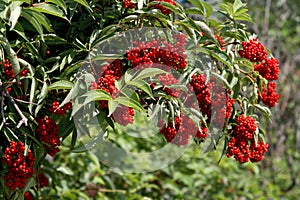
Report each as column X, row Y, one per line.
column 62, row 84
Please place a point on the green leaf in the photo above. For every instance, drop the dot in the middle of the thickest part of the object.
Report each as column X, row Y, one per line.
column 107, row 57
column 33, row 21
column 264, row 109
column 51, row 10
column 91, row 96
column 129, row 103
column 112, row 106
column 60, row 3
column 221, row 56
column 18, row 28
column 62, row 84
column 14, row 15
column 85, row 4
column 207, row 31
column 195, row 11
column 143, row 85
column 208, row 8
column 148, row 72
column 43, row 20
column 222, row 79
column 237, row 5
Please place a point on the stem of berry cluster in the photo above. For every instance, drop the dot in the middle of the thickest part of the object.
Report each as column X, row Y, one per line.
column 24, row 119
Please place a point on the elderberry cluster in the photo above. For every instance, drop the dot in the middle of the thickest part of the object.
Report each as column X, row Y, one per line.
column 20, row 166
column 47, row 132
column 131, row 5
column 8, row 70
column 267, row 68
column 253, row 50
column 128, row 4
column 123, row 115
column 210, row 95
column 242, row 145
column 55, row 109
column 160, row 52
column 269, row 95
column 179, row 131
column 164, row 10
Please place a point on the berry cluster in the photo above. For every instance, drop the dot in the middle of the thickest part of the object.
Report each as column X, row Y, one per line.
column 242, row 144
column 123, row 115
column 211, row 96
column 253, row 50
column 47, row 132
column 162, row 8
column 146, row 54
column 269, row 95
column 8, row 70
column 268, row 68
column 108, row 74
column 179, row 131
column 28, row 196
column 128, row 4
column 168, row 80
column 20, row 166
column 221, row 41
column 55, row 109
column 42, row 180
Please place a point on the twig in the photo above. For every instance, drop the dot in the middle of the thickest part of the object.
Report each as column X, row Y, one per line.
column 22, row 101
column 23, row 120
column 2, row 103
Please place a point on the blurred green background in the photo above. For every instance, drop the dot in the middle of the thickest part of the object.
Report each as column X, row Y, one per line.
column 277, row 24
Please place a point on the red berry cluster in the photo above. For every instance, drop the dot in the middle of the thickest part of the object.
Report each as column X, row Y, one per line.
column 55, row 109
column 269, row 95
column 169, row 80
column 9, row 72
column 162, row 8
column 202, row 133
column 20, row 166
column 47, row 132
column 128, row 4
column 179, row 131
column 107, row 76
column 221, row 41
column 123, row 115
column 211, row 96
column 28, row 196
column 253, row 50
column 42, row 180
column 145, row 54
column 242, row 144
column 268, row 68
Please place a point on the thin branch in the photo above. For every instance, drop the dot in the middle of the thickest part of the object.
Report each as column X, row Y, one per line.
column 23, row 120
